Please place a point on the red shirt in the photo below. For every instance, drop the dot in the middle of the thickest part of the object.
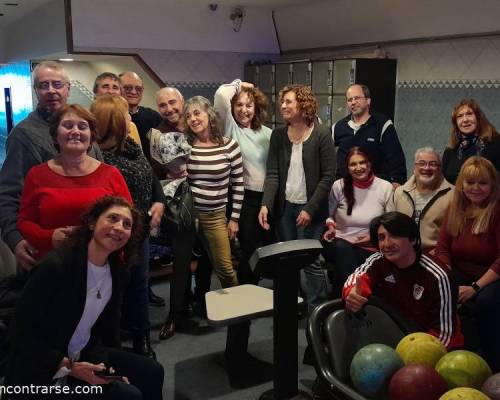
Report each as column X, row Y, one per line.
column 471, row 254
column 422, row 293
column 51, row 201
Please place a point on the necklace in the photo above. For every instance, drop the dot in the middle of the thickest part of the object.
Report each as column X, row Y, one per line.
column 97, row 286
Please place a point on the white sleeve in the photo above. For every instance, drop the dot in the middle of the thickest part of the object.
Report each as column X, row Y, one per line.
column 222, row 100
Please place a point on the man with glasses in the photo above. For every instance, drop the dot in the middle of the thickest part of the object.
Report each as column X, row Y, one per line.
column 144, row 118
column 29, row 144
column 108, row 83
column 374, row 133
column 425, row 196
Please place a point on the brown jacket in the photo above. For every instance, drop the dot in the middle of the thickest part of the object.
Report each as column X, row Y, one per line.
column 433, row 213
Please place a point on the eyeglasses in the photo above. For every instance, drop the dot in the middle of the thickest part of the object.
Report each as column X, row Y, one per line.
column 430, row 164
column 131, row 88
column 45, row 85
column 355, row 98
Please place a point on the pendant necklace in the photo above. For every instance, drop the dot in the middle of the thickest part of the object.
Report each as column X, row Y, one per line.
column 98, row 294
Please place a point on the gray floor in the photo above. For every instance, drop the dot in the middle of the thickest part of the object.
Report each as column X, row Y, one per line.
column 192, row 364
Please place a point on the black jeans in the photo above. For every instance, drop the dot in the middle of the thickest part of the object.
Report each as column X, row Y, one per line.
column 342, row 259
column 180, row 285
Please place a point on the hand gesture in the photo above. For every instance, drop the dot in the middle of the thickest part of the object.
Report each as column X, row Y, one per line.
column 303, row 219
column 61, row 234
column 262, row 217
column 329, row 234
column 355, row 301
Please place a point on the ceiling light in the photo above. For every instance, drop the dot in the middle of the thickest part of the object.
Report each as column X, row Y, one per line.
column 66, row 59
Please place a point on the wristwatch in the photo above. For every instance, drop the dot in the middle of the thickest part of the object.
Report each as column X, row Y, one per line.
column 476, row 287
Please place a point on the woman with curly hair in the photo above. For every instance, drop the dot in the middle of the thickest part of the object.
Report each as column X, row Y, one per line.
column 300, row 173
column 469, row 243
column 471, row 135
column 242, row 109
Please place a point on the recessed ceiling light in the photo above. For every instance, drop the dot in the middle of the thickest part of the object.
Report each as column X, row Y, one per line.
column 67, row 59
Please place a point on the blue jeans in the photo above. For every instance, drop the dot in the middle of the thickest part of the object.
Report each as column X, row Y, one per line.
column 313, row 278
column 137, row 294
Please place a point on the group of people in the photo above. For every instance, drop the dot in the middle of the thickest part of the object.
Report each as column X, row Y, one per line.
column 81, row 191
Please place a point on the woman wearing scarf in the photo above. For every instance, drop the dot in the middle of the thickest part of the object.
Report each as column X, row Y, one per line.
column 471, row 135
column 354, row 201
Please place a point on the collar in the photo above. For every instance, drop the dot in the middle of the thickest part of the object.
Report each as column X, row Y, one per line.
column 364, row 184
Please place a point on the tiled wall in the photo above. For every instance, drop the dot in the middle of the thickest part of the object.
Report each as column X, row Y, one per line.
column 433, row 77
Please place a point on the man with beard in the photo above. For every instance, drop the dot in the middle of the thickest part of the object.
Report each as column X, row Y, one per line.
column 29, row 144
column 425, row 196
column 374, row 133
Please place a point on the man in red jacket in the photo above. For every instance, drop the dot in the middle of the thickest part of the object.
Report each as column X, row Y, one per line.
column 414, row 284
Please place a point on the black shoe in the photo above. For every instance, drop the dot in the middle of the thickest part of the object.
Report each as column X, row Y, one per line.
column 167, row 330
column 155, row 301
column 142, row 346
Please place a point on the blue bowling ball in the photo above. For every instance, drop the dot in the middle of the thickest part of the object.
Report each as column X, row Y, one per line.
column 372, row 367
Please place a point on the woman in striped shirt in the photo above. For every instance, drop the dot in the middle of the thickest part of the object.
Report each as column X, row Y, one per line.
column 215, row 171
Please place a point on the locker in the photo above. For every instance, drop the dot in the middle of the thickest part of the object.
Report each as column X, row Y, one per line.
column 325, row 108
column 339, row 107
column 301, row 73
column 283, row 74
column 251, row 74
column 266, row 78
column 343, row 75
column 322, row 77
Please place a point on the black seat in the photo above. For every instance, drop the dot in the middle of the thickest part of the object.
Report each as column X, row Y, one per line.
column 335, row 335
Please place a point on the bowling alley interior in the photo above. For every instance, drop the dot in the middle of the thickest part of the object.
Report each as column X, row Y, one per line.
column 320, row 218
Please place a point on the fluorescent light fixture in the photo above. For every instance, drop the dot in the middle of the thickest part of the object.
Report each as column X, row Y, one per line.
column 67, row 59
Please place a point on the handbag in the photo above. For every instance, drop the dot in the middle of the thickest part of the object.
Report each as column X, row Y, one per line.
column 179, row 215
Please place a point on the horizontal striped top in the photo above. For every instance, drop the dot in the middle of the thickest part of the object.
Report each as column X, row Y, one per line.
column 211, row 172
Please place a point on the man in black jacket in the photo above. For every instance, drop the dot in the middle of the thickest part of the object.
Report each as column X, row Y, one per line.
column 374, row 133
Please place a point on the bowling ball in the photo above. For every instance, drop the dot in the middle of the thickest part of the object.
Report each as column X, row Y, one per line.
column 462, row 368
column 421, row 348
column 372, row 367
column 492, row 387
column 416, row 382
column 463, row 393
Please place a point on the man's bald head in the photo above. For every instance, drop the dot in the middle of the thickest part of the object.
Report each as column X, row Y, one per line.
column 170, row 103
column 132, row 88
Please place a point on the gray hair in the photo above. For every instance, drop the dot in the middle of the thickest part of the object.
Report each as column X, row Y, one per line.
column 213, row 120
column 56, row 66
column 169, row 89
column 427, row 150
column 101, row 77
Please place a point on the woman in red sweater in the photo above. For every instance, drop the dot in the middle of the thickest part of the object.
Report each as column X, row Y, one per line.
column 469, row 243
column 57, row 193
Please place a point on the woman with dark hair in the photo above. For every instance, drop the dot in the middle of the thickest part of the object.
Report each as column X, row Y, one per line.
column 57, row 192
column 471, row 135
column 121, row 151
column 242, row 109
column 354, row 201
column 469, row 243
column 71, row 305
column 300, row 172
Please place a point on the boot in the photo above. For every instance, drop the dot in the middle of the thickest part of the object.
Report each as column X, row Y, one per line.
column 142, row 346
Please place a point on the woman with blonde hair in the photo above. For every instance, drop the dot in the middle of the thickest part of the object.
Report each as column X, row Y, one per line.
column 471, row 135
column 121, row 151
column 469, row 243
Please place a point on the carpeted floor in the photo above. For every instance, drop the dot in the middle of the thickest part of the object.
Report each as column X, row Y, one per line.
column 193, row 366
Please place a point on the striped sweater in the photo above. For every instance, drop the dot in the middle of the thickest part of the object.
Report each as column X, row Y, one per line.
column 212, row 171
column 422, row 293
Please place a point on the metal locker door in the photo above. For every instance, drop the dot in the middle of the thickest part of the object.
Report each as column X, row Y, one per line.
column 266, row 78
column 325, row 108
column 301, row 73
column 277, row 113
column 282, row 76
column 344, row 75
column 322, row 76
column 251, row 74
column 270, row 110
column 339, row 107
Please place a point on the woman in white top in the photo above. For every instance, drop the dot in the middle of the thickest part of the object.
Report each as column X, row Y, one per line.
column 353, row 202
column 242, row 109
